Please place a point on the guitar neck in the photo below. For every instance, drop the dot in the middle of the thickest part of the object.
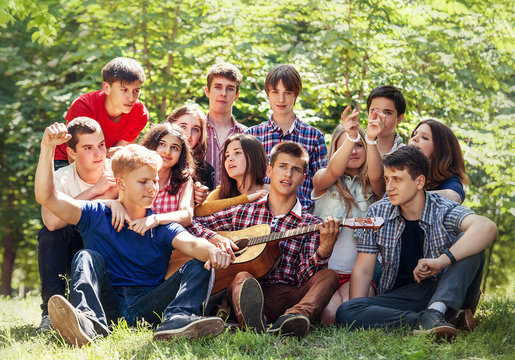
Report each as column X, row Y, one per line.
column 354, row 223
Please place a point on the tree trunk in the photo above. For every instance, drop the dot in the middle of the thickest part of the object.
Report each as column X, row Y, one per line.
column 8, row 264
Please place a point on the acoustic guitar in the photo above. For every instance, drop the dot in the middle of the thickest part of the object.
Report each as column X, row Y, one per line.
column 258, row 252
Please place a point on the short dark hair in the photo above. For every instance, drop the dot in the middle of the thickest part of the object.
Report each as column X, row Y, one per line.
column 409, row 158
column 224, row 70
column 289, row 76
column 389, row 92
column 78, row 126
column 255, row 156
column 290, row 148
column 122, row 69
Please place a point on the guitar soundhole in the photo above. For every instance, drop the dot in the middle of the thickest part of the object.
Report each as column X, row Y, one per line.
column 242, row 245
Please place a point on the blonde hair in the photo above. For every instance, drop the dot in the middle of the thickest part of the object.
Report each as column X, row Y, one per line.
column 132, row 157
column 362, row 173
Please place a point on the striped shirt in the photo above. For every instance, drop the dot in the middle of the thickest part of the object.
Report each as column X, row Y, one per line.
column 216, row 145
column 299, row 260
column 441, row 222
column 301, row 133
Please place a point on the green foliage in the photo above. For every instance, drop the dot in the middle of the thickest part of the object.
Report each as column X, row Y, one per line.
column 453, row 60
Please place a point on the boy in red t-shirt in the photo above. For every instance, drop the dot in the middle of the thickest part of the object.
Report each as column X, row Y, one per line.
column 116, row 107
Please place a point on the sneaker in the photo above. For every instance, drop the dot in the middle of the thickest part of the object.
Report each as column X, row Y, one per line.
column 290, row 325
column 433, row 322
column 75, row 328
column 251, row 305
column 464, row 320
column 189, row 326
column 45, row 325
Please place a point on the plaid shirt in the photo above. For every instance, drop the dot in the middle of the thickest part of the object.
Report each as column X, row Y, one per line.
column 397, row 143
column 166, row 203
column 216, row 145
column 301, row 133
column 441, row 222
column 299, row 260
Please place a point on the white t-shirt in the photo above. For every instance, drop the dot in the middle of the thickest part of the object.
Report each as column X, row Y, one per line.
column 68, row 181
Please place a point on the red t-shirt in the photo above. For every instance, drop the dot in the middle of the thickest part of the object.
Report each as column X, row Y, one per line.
column 92, row 105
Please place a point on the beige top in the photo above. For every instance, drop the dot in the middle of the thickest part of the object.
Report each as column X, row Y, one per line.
column 214, row 204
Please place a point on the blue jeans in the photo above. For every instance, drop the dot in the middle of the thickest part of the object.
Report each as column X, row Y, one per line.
column 402, row 306
column 92, row 293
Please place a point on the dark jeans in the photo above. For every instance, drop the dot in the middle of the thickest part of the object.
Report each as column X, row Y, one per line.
column 55, row 253
column 92, row 293
column 402, row 306
column 60, row 163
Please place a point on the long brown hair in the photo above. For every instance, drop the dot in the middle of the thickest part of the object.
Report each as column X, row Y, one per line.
column 256, row 164
column 446, row 159
column 362, row 173
column 182, row 170
column 199, row 151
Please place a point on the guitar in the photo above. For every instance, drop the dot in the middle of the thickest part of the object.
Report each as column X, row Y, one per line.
column 258, row 252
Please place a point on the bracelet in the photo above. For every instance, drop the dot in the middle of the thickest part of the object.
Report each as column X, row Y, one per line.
column 450, row 256
column 371, row 142
column 353, row 140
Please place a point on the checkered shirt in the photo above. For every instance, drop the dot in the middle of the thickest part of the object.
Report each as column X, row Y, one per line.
column 216, row 145
column 397, row 143
column 301, row 133
column 299, row 260
column 166, row 203
column 441, row 222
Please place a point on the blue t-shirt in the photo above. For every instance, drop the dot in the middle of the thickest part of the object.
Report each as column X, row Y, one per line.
column 453, row 183
column 131, row 259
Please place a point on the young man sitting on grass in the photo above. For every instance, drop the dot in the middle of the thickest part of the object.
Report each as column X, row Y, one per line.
column 88, row 177
column 294, row 293
column 431, row 248
column 120, row 274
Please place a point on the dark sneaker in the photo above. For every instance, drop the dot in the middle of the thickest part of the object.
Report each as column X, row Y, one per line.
column 433, row 322
column 290, row 325
column 188, row 326
column 75, row 328
column 251, row 304
column 465, row 320
column 45, row 325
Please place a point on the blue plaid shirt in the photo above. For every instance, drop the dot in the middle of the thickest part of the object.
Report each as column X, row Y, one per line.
column 441, row 222
column 301, row 133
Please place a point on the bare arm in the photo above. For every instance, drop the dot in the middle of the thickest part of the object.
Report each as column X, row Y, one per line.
column 201, row 249
column 105, row 188
column 62, row 205
column 480, row 231
column 374, row 158
column 449, row 194
column 362, row 275
column 337, row 165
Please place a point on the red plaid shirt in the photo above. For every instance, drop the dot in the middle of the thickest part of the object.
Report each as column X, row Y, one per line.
column 166, row 203
column 299, row 260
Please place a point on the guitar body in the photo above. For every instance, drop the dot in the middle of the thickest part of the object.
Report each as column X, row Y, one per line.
column 260, row 256
column 256, row 259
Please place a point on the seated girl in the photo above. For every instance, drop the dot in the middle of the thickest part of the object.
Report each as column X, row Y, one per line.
column 447, row 167
column 352, row 181
column 241, row 179
column 174, row 201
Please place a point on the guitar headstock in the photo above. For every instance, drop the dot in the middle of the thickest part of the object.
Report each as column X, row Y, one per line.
column 364, row 223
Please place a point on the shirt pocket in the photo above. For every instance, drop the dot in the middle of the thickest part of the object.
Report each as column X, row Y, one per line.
column 387, row 250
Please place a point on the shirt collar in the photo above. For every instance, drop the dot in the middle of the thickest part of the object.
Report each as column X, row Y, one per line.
column 294, row 126
column 210, row 123
column 296, row 211
column 426, row 213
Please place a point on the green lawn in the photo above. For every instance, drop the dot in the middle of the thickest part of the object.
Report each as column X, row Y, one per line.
column 492, row 339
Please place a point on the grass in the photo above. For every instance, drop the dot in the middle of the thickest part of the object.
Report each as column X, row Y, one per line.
column 492, row 339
